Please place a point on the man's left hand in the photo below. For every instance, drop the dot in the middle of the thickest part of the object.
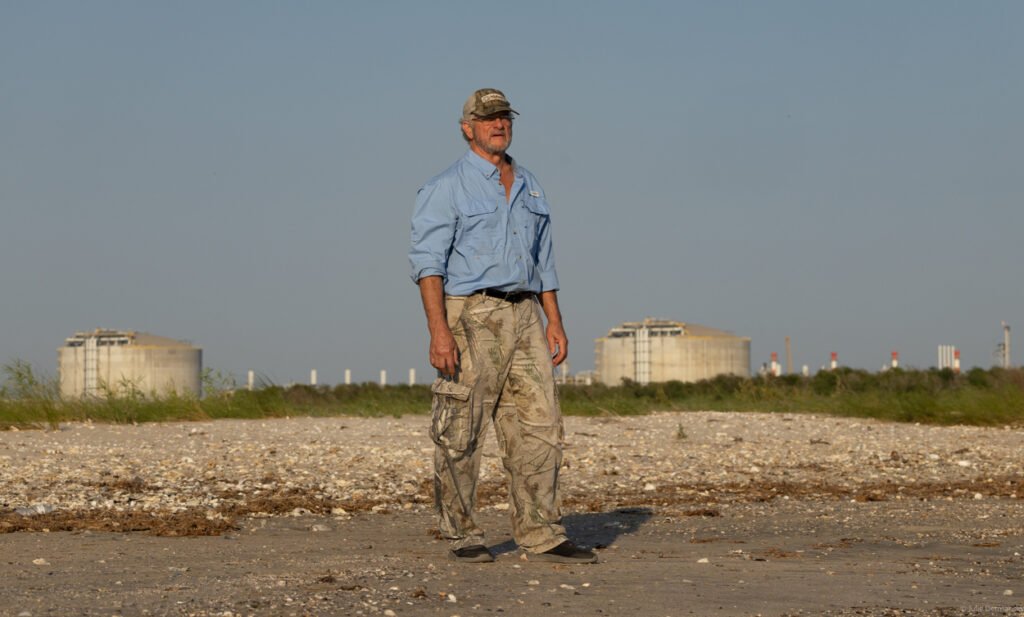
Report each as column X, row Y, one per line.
column 558, row 344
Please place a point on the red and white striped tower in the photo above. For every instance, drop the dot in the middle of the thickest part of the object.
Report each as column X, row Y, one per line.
column 895, row 359
column 956, row 360
column 835, row 361
column 776, row 368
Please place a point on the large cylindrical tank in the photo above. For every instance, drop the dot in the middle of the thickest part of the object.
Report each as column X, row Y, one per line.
column 659, row 351
column 112, row 362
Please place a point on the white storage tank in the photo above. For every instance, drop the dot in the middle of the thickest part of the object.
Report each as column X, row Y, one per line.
column 660, row 350
column 95, row 363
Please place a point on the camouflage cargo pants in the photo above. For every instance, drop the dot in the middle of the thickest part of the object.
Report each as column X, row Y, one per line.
column 504, row 378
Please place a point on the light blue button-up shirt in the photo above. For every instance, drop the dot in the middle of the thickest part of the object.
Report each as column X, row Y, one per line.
column 464, row 230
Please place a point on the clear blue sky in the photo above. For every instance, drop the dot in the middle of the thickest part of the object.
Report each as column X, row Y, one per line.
column 241, row 174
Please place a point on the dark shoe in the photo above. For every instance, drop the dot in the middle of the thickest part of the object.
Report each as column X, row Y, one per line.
column 566, row 552
column 477, row 553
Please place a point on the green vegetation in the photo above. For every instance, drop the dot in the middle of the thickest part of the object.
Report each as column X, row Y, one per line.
column 992, row 397
column 979, row 397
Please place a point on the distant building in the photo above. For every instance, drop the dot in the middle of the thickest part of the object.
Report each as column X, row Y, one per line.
column 563, row 376
column 658, row 350
column 94, row 363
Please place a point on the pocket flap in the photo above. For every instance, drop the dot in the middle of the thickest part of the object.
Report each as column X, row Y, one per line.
column 537, row 205
column 476, row 207
column 448, row 387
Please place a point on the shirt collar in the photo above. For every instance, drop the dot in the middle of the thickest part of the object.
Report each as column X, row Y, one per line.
column 485, row 167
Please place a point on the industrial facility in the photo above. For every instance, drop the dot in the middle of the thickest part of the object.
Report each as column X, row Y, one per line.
column 107, row 361
column 658, row 350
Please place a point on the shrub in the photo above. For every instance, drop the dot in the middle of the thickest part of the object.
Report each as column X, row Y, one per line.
column 977, row 377
column 825, row 383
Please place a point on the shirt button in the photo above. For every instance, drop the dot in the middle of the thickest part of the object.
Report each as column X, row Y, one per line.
column 514, row 232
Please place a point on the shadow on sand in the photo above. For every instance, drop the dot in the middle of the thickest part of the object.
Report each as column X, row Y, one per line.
column 594, row 529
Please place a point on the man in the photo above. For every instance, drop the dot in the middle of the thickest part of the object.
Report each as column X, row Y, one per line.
column 482, row 256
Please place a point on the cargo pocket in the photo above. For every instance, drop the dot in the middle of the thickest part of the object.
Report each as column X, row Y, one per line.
column 450, row 414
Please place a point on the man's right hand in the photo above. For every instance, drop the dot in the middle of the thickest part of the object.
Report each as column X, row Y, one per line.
column 444, row 353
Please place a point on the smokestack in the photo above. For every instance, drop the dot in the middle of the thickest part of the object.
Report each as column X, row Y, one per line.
column 789, row 358
column 348, row 377
column 383, row 378
column 312, row 377
column 412, row 377
column 835, row 361
column 956, row 360
column 895, row 359
column 1006, row 345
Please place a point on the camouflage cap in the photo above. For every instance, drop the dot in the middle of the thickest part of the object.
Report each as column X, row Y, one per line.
column 485, row 102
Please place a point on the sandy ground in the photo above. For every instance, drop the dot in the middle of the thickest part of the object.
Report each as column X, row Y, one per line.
column 950, row 558
column 827, row 532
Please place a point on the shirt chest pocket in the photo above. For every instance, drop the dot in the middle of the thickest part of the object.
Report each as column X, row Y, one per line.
column 537, row 205
column 481, row 226
column 534, row 217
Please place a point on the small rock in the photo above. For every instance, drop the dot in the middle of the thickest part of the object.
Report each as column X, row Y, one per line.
column 34, row 510
column 702, row 560
column 389, row 613
column 650, row 487
column 451, row 598
column 1008, row 592
column 964, row 463
column 317, row 528
column 978, row 496
column 40, row 562
column 533, row 582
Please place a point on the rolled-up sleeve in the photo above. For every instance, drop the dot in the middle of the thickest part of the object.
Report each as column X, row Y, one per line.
column 433, row 229
column 546, row 258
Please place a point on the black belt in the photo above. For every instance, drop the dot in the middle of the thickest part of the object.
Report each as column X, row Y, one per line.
column 509, row 296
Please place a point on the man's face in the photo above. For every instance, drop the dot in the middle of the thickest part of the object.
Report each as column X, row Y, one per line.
column 491, row 134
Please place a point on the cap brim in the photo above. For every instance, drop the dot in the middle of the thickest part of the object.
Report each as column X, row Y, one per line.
column 496, row 111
